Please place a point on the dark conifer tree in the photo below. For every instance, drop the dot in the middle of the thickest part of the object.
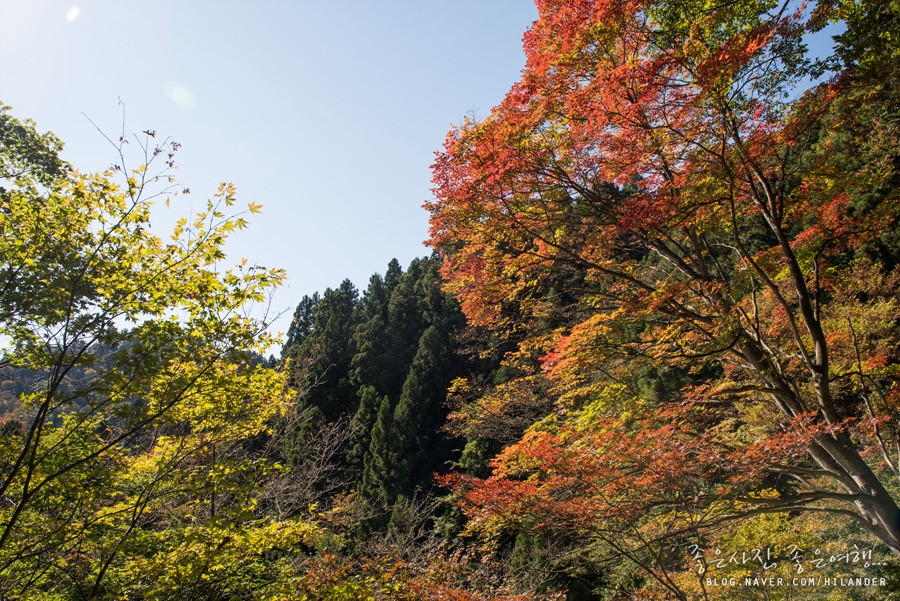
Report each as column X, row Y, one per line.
column 405, row 321
column 420, row 412
column 322, row 359
column 379, row 479
column 392, row 276
column 302, row 324
column 295, row 441
column 361, row 426
column 387, row 359
column 374, row 361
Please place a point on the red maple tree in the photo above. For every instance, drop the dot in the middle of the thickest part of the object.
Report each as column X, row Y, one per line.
column 660, row 184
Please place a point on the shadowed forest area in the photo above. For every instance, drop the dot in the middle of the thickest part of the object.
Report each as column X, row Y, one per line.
column 653, row 354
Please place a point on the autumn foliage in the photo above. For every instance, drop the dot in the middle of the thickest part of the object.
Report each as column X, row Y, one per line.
column 690, row 247
column 676, row 249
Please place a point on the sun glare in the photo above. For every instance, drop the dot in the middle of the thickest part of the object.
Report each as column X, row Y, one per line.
column 180, row 95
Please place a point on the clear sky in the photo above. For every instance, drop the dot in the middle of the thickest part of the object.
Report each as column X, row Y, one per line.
column 327, row 112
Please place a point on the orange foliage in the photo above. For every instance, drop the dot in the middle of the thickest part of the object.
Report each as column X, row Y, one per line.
column 648, row 177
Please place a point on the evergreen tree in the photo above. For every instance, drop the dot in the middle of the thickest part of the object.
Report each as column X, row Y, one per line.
column 374, row 361
column 361, row 426
column 387, row 358
column 420, row 412
column 405, row 321
column 435, row 307
column 294, row 442
column 392, row 276
column 302, row 324
column 380, row 477
column 322, row 359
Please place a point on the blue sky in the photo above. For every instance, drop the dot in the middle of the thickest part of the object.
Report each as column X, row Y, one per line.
column 327, row 112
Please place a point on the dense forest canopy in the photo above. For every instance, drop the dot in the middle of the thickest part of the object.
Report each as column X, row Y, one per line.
column 655, row 350
column 696, row 258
